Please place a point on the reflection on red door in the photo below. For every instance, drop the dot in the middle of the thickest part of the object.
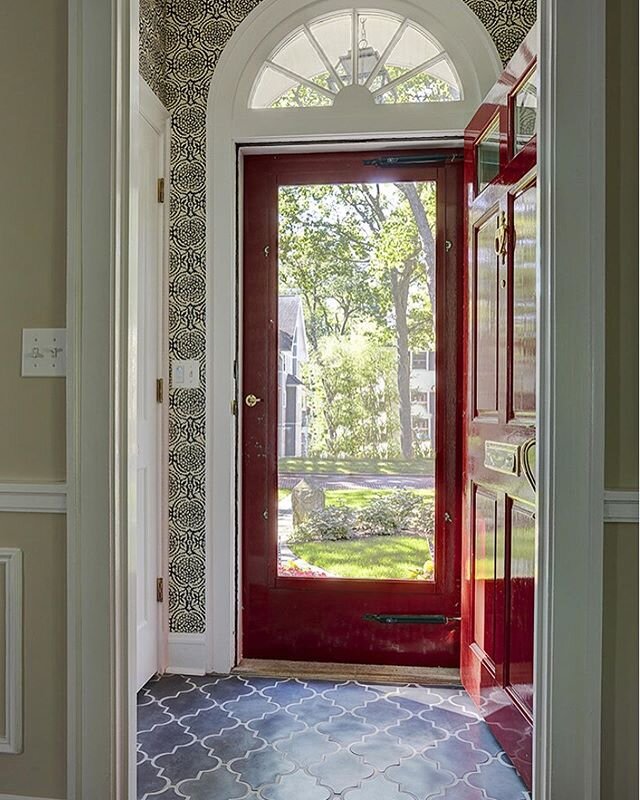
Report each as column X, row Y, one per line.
column 499, row 528
column 323, row 618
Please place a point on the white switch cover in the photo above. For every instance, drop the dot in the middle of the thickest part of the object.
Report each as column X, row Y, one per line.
column 44, row 352
column 185, row 373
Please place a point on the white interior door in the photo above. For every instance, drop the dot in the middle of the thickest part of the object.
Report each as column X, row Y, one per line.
column 149, row 368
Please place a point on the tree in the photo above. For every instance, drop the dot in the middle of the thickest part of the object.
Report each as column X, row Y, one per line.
column 363, row 253
column 324, row 256
column 352, row 396
column 401, row 260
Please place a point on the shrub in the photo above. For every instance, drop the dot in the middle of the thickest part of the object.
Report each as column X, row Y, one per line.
column 330, row 524
column 379, row 518
column 402, row 510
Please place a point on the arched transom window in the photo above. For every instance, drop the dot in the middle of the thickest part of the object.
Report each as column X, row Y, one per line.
column 394, row 58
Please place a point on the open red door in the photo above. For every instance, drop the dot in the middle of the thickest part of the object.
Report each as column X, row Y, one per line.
column 499, row 527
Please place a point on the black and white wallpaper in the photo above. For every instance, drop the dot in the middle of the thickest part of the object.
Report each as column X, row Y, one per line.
column 180, row 44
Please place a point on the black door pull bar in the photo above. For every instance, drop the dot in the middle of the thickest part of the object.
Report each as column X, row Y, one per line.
column 411, row 619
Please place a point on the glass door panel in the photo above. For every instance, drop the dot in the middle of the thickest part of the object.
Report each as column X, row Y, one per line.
column 356, row 431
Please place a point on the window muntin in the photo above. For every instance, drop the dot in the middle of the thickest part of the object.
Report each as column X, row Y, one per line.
column 488, row 155
column 397, row 60
column 525, row 111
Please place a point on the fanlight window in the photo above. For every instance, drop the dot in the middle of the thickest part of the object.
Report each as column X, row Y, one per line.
column 397, row 60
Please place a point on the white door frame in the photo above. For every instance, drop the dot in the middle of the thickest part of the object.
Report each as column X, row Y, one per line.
column 102, row 68
column 158, row 117
column 230, row 126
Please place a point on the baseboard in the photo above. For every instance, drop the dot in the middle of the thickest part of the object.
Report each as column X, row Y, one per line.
column 365, row 673
column 186, row 654
column 24, row 797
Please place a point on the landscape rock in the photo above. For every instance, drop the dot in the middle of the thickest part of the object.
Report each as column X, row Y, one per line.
column 307, row 498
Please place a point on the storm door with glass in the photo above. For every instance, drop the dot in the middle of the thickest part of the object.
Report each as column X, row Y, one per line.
column 350, row 408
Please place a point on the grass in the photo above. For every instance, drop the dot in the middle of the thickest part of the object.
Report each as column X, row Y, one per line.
column 358, row 498
column 373, row 557
column 355, row 498
column 355, row 466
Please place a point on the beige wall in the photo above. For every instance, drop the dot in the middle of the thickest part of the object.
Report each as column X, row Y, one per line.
column 620, row 615
column 32, row 418
column 32, row 94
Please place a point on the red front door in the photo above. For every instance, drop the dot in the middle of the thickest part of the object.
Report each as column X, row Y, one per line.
column 499, row 526
column 350, row 305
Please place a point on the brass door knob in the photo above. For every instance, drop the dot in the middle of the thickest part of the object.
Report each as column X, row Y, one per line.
column 251, row 400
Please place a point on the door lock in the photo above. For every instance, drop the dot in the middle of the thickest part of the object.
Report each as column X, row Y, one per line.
column 251, row 400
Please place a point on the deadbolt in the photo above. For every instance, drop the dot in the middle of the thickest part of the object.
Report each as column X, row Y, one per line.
column 251, row 400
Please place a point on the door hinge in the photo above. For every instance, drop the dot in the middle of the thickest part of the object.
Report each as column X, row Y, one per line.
column 161, row 190
column 160, row 590
column 160, row 390
column 234, row 408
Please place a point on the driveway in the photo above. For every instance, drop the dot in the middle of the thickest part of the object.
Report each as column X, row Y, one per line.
column 289, row 480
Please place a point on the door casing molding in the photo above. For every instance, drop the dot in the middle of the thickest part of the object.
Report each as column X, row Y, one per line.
column 102, row 66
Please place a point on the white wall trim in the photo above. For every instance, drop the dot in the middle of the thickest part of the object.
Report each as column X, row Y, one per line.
column 100, row 701
column 568, row 635
column 11, row 737
column 42, row 498
column 621, row 505
column 187, row 654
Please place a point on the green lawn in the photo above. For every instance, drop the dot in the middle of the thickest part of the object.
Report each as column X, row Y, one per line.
column 354, row 466
column 358, row 498
column 355, row 498
column 373, row 557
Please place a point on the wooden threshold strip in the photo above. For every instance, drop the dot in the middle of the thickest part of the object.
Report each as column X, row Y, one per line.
column 364, row 673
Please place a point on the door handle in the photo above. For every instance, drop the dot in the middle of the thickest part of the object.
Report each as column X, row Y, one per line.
column 502, row 233
column 251, row 400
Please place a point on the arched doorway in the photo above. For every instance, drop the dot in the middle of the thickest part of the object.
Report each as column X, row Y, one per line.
column 273, row 31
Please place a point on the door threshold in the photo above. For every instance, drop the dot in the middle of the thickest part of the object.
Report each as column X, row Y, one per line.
column 364, row 673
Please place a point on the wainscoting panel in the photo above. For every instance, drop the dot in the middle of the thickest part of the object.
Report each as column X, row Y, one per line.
column 11, row 650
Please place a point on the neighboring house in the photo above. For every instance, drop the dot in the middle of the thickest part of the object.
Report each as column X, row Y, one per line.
column 292, row 412
column 423, row 398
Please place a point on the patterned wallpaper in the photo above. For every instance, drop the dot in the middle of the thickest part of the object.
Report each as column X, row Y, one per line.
column 152, row 47
column 180, row 43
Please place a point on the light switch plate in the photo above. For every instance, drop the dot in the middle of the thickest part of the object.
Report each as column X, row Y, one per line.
column 185, row 373
column 44, row 352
